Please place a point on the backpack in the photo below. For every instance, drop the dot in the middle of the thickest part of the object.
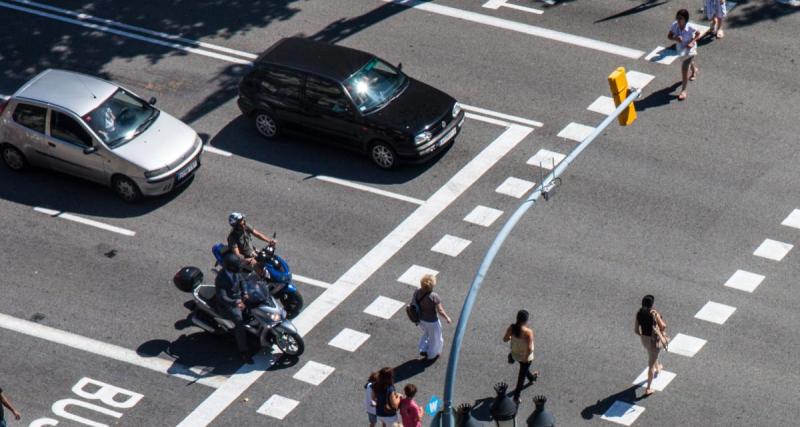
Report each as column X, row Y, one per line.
column 413, row 309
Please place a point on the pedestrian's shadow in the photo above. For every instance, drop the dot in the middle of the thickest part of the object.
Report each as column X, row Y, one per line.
column 600, row 408
column 658, row 98
column 410, row 368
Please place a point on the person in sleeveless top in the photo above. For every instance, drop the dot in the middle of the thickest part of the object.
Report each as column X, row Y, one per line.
column 648, row 318
column 387, row 400
column 521, row 339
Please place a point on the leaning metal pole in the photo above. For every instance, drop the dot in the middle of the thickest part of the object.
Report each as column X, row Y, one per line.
column 445, row 416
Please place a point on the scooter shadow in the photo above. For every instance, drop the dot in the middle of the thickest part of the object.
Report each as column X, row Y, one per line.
column 214, row 355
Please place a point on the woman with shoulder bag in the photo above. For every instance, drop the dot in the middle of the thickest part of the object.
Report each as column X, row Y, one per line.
column 387, row 400
column 652, row 331
column 431, row 342
column 521, row 338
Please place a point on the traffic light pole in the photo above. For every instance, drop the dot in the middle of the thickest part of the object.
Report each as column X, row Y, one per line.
column 445, row 417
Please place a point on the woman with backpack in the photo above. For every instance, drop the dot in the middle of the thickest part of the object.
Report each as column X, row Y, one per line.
column 521, row 338
column 387, row 400
column 652, row 329
column 429, row 307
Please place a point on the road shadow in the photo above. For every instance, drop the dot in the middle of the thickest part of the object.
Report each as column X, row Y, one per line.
column 53, row 190
column 647, row 4
column 751, row 12
column 343, row 28
column 309, row 155
column 601, row 406
column 658, row 98
column 411, row 368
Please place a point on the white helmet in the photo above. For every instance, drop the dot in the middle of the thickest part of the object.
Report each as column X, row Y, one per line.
column 234, row 218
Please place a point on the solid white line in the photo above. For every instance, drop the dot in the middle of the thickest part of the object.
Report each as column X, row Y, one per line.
column 127, row 34
column 351, row 280
column 487, row 120
column 521, row 28
column 110, row 351
column 213, row 150
column 509, row 117
column 369, row 189
column 310, row 281
column 524, row 9
column 85, row 221
column 87, row 17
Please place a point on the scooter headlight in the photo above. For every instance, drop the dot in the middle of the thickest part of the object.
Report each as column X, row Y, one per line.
column 275, row 317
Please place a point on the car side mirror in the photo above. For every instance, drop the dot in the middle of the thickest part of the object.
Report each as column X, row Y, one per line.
column 400, row 66
column 89, row 150
column 152, row 101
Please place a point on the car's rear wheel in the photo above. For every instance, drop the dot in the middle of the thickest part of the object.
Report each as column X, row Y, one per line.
column 383, row 155
column 266, row 124
column 13, row 158
column 126, row 189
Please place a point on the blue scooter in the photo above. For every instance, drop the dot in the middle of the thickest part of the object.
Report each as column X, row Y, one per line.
column 275, row 272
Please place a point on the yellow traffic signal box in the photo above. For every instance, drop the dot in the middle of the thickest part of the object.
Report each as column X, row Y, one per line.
column 619, row 91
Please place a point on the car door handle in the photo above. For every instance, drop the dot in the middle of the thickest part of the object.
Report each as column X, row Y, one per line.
column 51, row 144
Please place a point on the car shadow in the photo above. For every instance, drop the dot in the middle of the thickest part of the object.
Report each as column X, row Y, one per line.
column 309, row 156
column 37, row 187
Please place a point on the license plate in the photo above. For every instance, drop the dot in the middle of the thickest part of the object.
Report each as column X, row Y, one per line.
column 445, row 139
column 187, row 170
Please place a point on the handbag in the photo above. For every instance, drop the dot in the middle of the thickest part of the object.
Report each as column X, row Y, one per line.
column 661, row 339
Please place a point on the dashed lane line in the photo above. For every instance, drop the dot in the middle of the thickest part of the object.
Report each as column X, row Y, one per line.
column 367, row 188
column 75, row 218
column 359, row 273
column 521, row 28
column 773, row 249
column 277, row 406
column 110, row 351
column 497, row 4
column 715, row 312
column 310, row 281
column 213, row 150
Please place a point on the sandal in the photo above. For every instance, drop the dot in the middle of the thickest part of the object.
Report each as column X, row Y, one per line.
column 682, row 96
column 720, row 34
column 693, row 77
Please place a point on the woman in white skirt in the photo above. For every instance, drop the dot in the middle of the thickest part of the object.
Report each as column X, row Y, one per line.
column 685, row 36
column 715, row 11
column 432, row 341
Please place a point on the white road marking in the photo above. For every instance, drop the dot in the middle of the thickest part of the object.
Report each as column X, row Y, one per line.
column 685, row 345
column 575, row 132
column 383, row 307
column 715, row 312
column 603, row 105
column 414, row 273
column 515, row 187
column 773, row 249
column 486, row 119
column 85, row 221
column 450, row 245
column 86, row 17
column 110, row 351
column 509, row 117
column 313, row 373
column 622, row 413
column 521, row 28
column 310, row 281
column 662, row 55
column 483, row 216
column 373, row 190
column 209, row 149
column 659, row 383
column 359, row 273
column 793, row 220
column 348, row 340
column 546, row 159
column 638, row 80
column 107, row 29
column 277, row 407
column 496, row 4
column 744, row 281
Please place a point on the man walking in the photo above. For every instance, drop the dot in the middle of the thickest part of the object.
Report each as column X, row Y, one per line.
column 6, row 403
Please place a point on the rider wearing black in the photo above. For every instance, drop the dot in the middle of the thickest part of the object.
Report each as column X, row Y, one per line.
column 230, row 297
column 240, row 239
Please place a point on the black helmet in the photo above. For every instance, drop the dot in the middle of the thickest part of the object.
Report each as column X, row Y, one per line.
column 231, row 262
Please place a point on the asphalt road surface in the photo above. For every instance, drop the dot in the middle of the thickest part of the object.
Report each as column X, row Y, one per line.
column 693, row 203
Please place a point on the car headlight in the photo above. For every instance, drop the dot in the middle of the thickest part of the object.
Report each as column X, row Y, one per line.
column 456, row 109
column 422, row 138
column 157, row 172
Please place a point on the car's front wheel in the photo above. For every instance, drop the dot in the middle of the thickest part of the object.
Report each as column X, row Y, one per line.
column 383, row 155
column 126, row 189
column 266, row 124
column 13, row 158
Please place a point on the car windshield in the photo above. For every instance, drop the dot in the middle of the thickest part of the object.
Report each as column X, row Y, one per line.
column 120, row 118
column 374, row 85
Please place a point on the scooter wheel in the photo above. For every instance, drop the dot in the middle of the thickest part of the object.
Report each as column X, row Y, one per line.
column 293, row 303
column 290, row 344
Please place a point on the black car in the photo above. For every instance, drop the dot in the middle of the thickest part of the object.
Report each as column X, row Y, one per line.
column 351, row 98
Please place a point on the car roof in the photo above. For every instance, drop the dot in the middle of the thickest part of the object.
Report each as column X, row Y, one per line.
column 72, row 91
column 323, row 59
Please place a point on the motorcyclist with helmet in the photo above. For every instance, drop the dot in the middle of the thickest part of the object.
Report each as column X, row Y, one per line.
column 231, row 297
column 240, row 239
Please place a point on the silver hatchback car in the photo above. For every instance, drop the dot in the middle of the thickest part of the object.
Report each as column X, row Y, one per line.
column 94, row 129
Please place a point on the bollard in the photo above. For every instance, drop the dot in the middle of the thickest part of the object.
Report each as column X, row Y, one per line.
column 619, row 91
